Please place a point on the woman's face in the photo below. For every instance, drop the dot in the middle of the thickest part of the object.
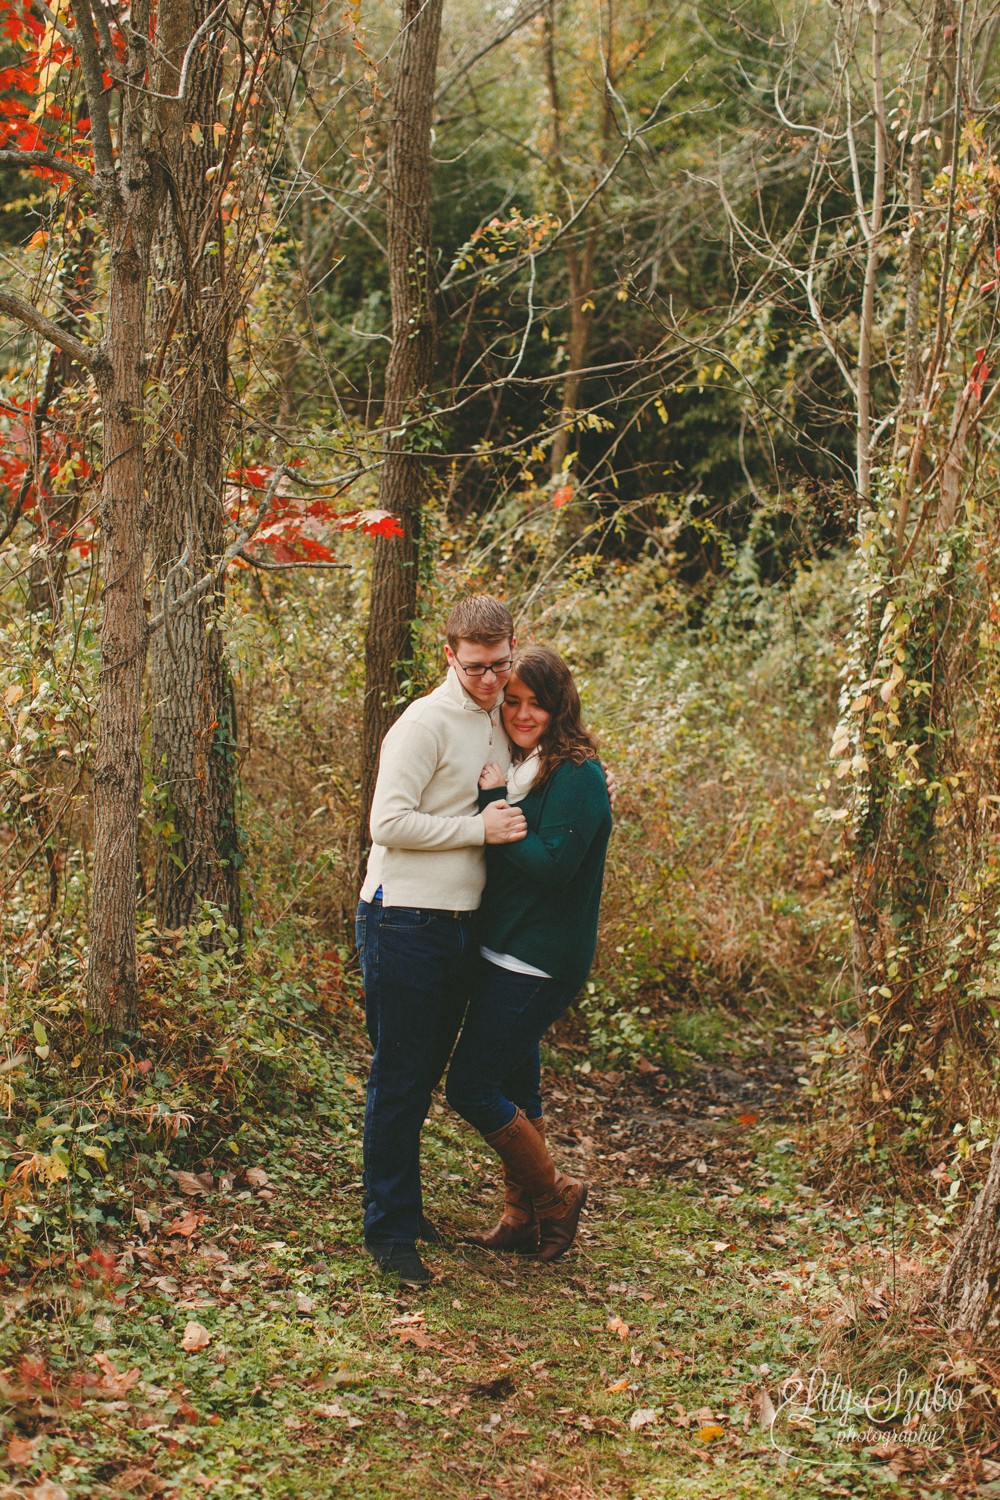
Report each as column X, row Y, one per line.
column 523, row 717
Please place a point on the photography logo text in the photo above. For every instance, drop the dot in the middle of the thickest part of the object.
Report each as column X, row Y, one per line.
column 901, row 1412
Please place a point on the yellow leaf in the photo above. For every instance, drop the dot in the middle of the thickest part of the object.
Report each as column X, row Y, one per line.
column 860, row 703
column 40, row 237
column 710, row 1434
column 196, row 134
column 619, row 1385
column 218, row 129
column 12, row 694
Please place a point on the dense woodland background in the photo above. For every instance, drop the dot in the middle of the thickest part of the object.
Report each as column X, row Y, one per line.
column 674, row 326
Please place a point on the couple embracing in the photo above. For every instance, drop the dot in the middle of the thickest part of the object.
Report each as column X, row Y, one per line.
column 495, row 761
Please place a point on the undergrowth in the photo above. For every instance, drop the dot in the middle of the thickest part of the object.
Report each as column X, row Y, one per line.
column 195, row 1313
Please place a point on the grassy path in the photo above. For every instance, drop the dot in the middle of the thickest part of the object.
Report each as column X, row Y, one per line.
column 250, row 1349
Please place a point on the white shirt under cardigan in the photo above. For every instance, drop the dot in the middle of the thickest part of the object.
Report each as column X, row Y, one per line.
column 425, row 823
column 520, row 780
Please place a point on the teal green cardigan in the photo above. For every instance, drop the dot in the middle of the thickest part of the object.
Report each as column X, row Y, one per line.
column 543, row 894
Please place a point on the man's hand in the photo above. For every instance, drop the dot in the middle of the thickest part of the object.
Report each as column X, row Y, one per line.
column 504, row 824
column 491, row 777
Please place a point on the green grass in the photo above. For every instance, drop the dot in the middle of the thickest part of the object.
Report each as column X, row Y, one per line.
column 681, row 1301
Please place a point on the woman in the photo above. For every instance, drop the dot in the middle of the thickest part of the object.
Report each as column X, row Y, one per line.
column 538, row 927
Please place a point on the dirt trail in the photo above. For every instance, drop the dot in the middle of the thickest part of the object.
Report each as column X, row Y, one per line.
column 641, row 1126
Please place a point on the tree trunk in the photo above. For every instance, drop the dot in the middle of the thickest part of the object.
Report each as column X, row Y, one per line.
column 193, row 735
column 969, row 1286
column 57, row 513
column 403, row 476
column 580, row 267
column 131, row 189
column 871, row 227
column 111, row 987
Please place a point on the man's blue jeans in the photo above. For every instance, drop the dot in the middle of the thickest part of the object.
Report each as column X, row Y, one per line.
column 496, row 1063
column 418, row 970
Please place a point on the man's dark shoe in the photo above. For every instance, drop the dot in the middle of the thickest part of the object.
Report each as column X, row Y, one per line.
column 403, row 1261
column 429, row 1232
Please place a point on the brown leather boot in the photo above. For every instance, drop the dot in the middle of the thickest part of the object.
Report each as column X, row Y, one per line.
column 517, row 1228
column 557, row 1199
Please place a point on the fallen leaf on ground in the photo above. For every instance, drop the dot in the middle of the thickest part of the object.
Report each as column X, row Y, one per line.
column 328, row 1410
column 196, row 1336
column 185, row 1226
column 114, row 1380
column 414, row 1336
column 142, row 1219
column 189, row 1183
column 765, row 1409
column 21, row 1450
column 257, row 1177
column 642, row 1418
column 619, row 1385
column 619, row 1326
column 48, row 1491
column 710, row 1433
column 719, row 1245
column 304, row 1304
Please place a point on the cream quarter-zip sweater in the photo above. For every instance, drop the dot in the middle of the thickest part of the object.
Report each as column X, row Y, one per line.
column 425, row 823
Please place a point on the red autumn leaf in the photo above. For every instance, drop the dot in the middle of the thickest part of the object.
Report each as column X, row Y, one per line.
column 562, row 495
column 371, row 522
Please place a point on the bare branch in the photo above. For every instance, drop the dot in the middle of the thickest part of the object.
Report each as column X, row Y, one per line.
column 22, row 160
column 235, row 549
column 16, row 307
column 84, row 44
column 516, row 22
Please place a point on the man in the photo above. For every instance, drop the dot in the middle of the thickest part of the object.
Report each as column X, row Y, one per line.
column 424, row 881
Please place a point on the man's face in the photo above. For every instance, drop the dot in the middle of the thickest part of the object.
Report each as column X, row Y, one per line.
column 469, row 658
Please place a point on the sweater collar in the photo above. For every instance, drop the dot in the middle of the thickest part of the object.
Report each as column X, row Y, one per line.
column 456, row 692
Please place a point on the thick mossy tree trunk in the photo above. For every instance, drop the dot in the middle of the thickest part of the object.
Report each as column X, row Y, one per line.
column 193, row 735
column 971, row 1282
column 402, row 478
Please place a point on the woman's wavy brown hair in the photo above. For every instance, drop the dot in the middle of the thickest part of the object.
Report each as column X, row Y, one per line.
column 551, row 681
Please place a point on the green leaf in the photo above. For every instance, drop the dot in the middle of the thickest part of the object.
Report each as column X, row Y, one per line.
column 40, row 1034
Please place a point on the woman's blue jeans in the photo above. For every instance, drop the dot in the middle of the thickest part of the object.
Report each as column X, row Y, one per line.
column 495, row 1069
column 418, row 970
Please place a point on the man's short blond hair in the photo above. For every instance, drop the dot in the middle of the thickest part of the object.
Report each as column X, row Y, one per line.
column 481, row 619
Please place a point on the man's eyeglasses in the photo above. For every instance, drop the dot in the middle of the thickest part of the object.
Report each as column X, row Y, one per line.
column 478, row 669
